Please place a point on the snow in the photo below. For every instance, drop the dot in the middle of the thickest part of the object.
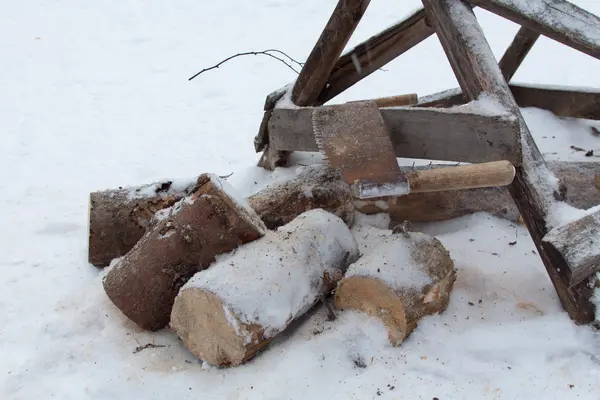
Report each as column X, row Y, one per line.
column 368, row 190
column 380, row 220
column 392, row 261
column 150, row 190
column 237, row 198
column 95, row 95
column 275, row 278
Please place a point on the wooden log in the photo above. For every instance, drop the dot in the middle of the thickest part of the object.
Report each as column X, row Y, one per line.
column 424, row 133
column 578, row 242
column 578, row 179
column 316, row 186
column 403, row 278
column 562, row 101
column 119, row 218
column 559, row 20
column 327, row 50
column 535, row 188
column 517, row 51
column 374, row 53
column 208, row 222
column 226, row 314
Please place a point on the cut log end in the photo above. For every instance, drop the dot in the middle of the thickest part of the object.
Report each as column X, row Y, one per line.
column 208, row 328
column 387, row 294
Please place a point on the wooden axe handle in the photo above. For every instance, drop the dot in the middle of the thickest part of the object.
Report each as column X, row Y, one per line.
column 396, row 101
column 490, row 174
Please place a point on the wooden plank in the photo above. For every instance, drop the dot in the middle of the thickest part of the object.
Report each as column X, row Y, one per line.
column 562, row 101
column 452, row 135
column 557, row 19
column 533, row 189
column 374, row 53
column 579, row 244
column 327, row 50
column 517, row 51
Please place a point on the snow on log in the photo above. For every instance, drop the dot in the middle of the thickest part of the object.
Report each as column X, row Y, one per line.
column 227, row 313
column 210, row 221
column 316, row 186
column 119, row 218
column 578, row 242
column 401, row 278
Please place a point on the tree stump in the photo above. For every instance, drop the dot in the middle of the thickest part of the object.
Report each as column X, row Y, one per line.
column 210, row 221
column 226, row 314
column 402, row 279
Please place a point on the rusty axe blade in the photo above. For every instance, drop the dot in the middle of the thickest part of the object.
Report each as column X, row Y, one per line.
column 354, row 139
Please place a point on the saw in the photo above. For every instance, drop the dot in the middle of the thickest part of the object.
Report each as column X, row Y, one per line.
column 354, row 139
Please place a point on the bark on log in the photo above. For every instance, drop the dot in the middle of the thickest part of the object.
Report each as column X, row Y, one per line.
column 209, row 222
column 281, row 202
column 316, row 186
column 404, row 278
column 117, row 220
column 226, row 314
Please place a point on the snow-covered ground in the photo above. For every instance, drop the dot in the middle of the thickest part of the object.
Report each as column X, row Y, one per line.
column 95, row 95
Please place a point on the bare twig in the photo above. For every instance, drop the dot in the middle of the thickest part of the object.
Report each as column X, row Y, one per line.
column 254, row 53
column 148, row 346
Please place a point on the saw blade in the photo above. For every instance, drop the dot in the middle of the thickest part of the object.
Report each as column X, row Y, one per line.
column 354, row 139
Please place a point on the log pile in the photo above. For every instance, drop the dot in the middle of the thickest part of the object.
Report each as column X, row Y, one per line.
column 229, row 274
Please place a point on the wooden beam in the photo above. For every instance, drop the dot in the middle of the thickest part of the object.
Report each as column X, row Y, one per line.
column 452, row 135
column 579, row 243
column 562, row 101
column 534, row 188
column 557, row 19
column 374, row 53
column 517, row 51
column 327, row 50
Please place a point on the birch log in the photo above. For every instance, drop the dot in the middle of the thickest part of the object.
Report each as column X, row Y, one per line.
column 402, row 279
column 226, row 314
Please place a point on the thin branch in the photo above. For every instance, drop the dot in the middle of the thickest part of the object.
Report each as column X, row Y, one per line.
column 252, row 53
column 286, row 55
